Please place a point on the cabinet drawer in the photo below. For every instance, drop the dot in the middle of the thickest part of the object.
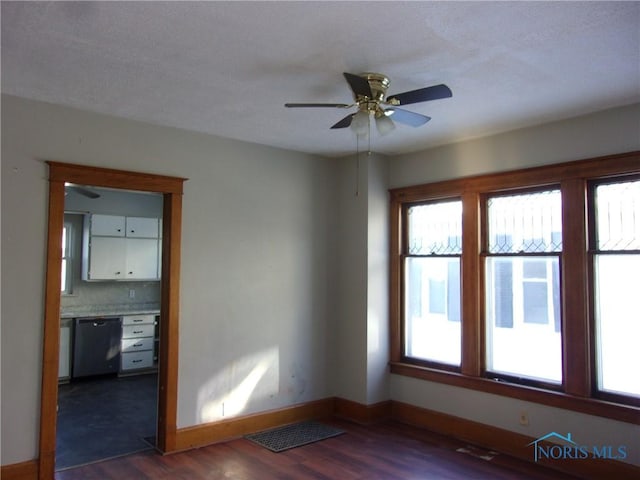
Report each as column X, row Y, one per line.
column 135, row 331
column 136, row 360
column 137, row 319
column 136, row 344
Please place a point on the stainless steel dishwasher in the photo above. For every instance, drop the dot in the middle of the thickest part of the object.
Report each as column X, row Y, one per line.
column 96, row 347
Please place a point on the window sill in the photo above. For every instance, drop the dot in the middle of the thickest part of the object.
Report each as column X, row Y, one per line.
column 590, row 406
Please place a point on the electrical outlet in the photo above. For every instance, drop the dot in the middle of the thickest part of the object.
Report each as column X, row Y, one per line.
column 524, row 417
column 132, row 293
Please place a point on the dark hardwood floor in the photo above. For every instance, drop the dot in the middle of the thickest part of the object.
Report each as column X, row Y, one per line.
column 386, row 451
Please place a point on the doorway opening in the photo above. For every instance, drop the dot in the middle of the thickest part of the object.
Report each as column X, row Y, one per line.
column 170, row 188
column 110, row 318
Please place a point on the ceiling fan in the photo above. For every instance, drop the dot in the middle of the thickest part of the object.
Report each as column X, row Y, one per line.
column 370, row 97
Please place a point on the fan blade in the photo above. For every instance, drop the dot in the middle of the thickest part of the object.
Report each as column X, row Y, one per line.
column 359, row 85
column 83, row 191
column 345, row 122
column 314, row 105
column 435, row 92
column 408, row 118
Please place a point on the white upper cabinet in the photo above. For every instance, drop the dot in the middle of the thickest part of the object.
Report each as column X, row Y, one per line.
column 120, row 248
column 140, row 227
column 108, row 225
column 107, row 259
column 142, row 258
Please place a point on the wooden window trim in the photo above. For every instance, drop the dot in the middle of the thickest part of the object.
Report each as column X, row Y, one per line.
column 592, row 251
column 578, row 393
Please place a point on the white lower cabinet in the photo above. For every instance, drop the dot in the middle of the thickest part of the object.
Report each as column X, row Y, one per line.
column 138, row 331
column 137, row 360
column 137, row 345
column 64, row 365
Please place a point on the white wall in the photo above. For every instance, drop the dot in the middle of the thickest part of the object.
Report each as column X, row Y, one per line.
column 603, row 133
column 377, row 280
column 607, row 132
column 504, row 412
column 257, row 259
column 361, row 329
column 349, row 355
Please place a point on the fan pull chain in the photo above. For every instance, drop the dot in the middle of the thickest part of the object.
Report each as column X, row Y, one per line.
column 358, row 152
column 357, row 165
column 369, row 136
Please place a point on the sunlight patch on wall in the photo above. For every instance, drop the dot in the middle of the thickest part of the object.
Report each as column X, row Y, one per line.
column 373, row 332
column 228, row 393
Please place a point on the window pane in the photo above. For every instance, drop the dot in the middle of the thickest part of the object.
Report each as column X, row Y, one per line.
column 63, row 273
column 63, row 278
column 435, row 228
column 432, row 306
column 618, row 216
column 522, row 317
column 617, row 302
column 530, row 223
column 618, row 322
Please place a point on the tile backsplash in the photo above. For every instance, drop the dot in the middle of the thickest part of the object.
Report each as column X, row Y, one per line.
column 88, row 294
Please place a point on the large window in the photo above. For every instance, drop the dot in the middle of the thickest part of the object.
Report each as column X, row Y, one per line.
column 617, row 285
column 432, row 269
column 523, row 286
column 523, row 279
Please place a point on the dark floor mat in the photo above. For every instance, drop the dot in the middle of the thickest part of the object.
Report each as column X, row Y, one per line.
column 291, row 436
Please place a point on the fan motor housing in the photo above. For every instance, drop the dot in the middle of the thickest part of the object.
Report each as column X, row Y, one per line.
column 378, row 84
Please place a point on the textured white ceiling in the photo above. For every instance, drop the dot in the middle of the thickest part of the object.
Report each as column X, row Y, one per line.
column 227, row 68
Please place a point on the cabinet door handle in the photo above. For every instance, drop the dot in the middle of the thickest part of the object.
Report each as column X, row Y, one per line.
column 130, row 273
column 117, row 273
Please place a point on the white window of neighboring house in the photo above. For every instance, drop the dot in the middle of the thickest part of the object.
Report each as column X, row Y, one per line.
column 432, row 269
column 616, row 266
column 522, row 294
column 66, row 277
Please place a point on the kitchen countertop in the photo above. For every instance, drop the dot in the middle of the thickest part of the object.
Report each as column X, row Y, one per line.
column 109, row 310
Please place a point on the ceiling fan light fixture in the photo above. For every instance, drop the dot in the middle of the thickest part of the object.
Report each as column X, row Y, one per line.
column 360, row 123
column 384, row 124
